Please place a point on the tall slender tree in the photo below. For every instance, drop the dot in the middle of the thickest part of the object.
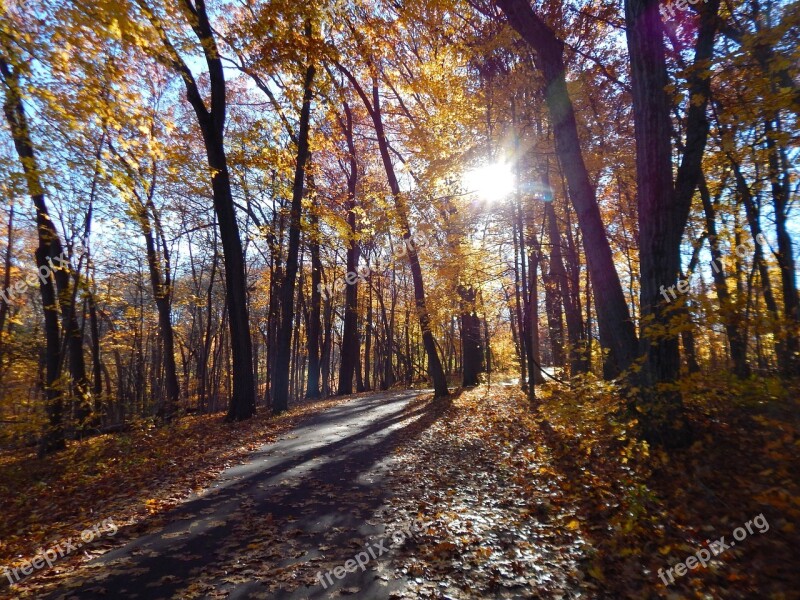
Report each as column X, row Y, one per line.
column 373, row 106
column 664, row 206
column 617, row 332
column 211, row 120
column 48, row 251
column 280, row 383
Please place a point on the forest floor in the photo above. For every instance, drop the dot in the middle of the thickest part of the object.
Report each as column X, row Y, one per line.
column 474, row 496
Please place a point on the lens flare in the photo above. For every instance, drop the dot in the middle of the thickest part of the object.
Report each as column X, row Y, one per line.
column 492, row 182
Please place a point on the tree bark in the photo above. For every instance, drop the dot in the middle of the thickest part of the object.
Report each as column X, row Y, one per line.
column 471, row 347
column 519, row 292
column 161, row 284
column 663, row 208
column 782, row 348
column 48, row 250
column 6, row 285
column 577, row 350
column 280, row 382
column 162, row 292
column 314, row 317
column 780, row 185
column 350, row 341
column 368, row 342
column 97, row 363
column 735, row 328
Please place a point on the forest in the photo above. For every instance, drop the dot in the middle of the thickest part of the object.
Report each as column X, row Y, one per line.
column 510, row 285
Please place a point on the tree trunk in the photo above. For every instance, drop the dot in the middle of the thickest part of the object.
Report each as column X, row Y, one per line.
column 780, row 184
column 687, row 332
column 663, row 209
column 577, row 351
column 471, row 346
column 314, row 322
column 212, row 126
column 280, row 383
column 752, row 212
column 555, row 323
column 275, row 285
column 435, row 370
column 97, row 364
column 243, row 402
column 617, row 332
column 327, row 345
column 735, row 327
column 48, row 250
column 162, row 292
column 368, row 342
column 350, row 342
column 6, row 285
column 534, row 356
column 522, row 347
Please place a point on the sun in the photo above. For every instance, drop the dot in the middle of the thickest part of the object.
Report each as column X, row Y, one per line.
column 492, row 182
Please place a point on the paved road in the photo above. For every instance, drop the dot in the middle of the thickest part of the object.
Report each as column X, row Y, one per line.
column 297, row 507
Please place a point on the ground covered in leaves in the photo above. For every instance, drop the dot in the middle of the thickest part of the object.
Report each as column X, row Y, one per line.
column 132, row 477
column 560, row 501
column 556, row 500
column 503, row 528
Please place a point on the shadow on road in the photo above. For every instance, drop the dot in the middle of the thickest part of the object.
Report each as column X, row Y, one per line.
column 297, row 507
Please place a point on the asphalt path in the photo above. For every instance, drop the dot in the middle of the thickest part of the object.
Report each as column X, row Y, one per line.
column 275, row 525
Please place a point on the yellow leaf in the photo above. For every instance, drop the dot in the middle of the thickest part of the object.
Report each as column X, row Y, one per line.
column 597, row 573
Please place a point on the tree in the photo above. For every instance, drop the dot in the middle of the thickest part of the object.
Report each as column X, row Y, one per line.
column 617, row 331
column 49, row 249
column 664, row 207
column 211, row 120
column 373, row 107
column 351, row 348
column 280, row 391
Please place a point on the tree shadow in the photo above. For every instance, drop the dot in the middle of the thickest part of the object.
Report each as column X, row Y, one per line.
column 298, row 506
